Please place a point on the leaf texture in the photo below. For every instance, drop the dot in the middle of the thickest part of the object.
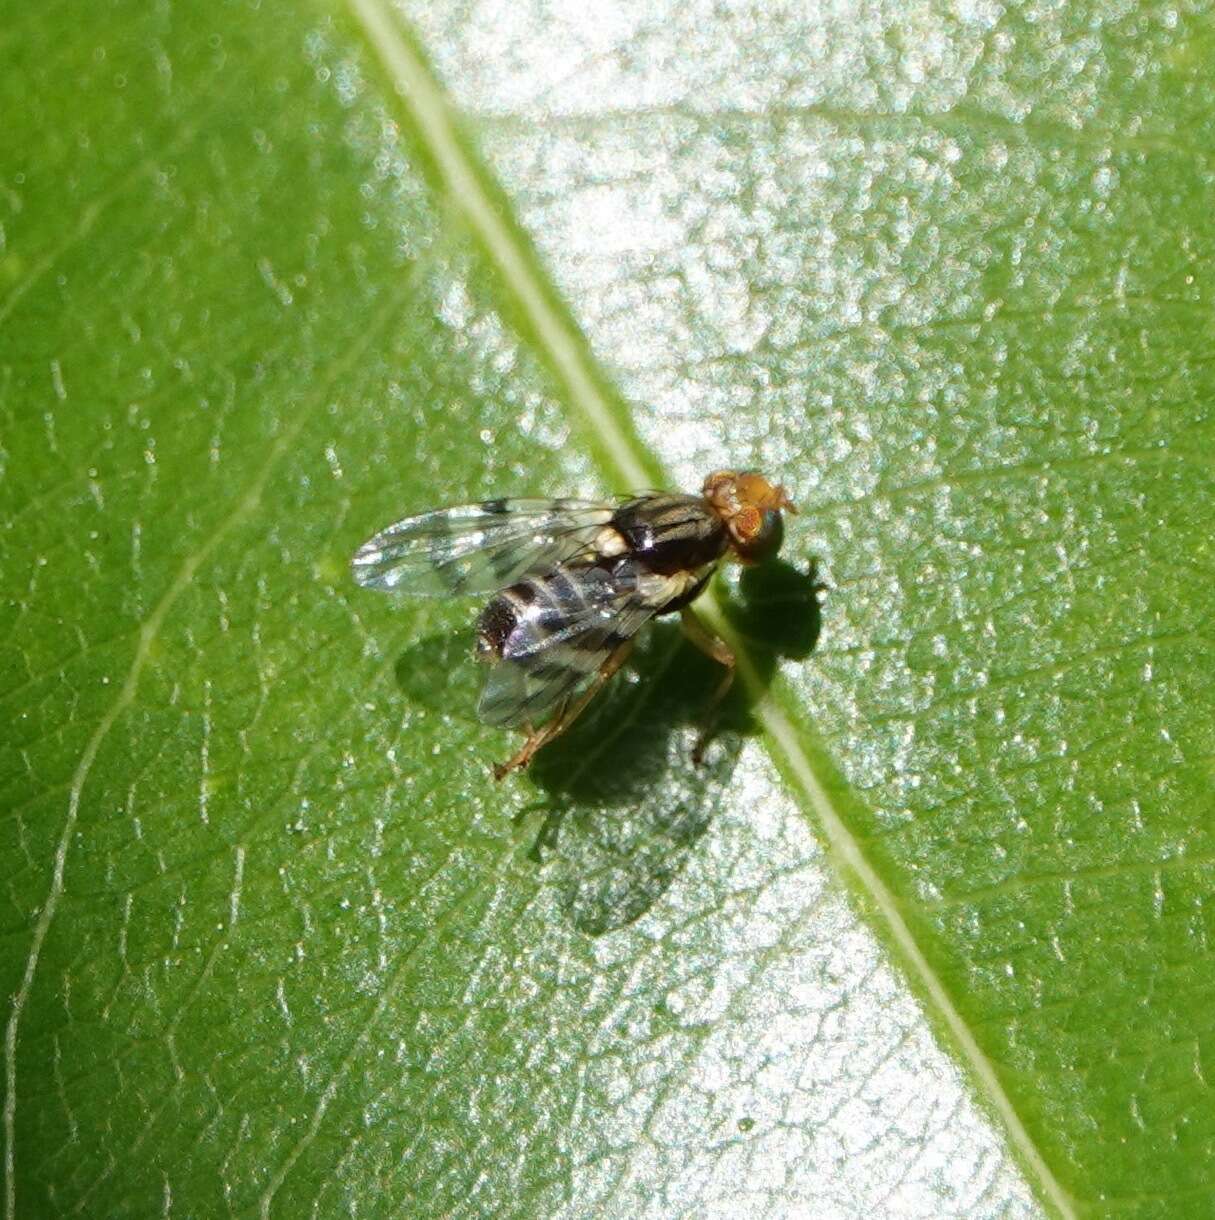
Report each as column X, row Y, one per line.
column 275, row 943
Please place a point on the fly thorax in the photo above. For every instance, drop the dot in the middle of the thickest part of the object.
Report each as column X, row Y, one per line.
column 671, row 534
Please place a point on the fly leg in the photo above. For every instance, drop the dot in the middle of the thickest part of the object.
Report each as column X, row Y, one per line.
column 565, row 715
column 715, row 647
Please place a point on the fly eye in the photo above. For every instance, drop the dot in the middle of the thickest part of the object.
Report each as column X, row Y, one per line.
column 766, row 541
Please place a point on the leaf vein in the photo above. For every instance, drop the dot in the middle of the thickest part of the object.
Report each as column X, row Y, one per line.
column 558, row 338
column 145, row 638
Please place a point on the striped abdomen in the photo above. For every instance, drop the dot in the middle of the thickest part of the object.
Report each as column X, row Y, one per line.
column 526, row 618
column 547, row 635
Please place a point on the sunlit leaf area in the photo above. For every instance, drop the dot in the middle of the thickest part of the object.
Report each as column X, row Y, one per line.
column 928, row 932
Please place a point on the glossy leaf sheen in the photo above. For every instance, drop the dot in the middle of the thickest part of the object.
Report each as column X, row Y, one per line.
column 274, row 941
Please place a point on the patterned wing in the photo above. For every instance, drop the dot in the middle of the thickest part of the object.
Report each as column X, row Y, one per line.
column 477, row 548
column 565, row 625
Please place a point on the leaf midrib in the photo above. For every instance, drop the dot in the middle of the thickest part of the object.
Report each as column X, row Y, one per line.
column 471, row 190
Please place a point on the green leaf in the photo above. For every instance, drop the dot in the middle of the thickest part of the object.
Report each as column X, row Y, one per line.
column 928, row 933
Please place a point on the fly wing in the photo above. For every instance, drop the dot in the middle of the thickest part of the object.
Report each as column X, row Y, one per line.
column 578, row 616
column 477, row 548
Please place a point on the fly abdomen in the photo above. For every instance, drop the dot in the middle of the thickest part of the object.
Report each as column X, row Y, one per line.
column 520, row 618
column 501, row 618
column 670, row 534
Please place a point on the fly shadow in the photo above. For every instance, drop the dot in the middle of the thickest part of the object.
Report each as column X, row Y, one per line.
column 623, row 799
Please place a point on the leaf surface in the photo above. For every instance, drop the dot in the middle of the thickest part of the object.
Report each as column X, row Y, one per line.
column 276, row 944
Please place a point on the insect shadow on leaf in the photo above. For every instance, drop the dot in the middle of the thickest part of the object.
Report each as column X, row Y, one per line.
column 625, row 800
column 438, row 673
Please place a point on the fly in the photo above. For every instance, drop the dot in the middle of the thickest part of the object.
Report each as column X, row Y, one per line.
column 573, row 581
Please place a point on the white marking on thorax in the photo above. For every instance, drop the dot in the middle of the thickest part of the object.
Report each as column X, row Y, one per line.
column 610, row 542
